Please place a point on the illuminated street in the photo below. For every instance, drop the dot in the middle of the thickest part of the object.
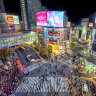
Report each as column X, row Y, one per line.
column 47, row 48
column 53, row 80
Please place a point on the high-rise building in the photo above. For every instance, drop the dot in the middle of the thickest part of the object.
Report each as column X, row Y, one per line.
column 2, row 8
column 33, row 7
column 65, row 19
column 24, row 13
column 28, row 11
column 3, row 19
column 84, row 24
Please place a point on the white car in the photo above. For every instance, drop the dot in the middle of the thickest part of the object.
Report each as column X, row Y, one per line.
column 30, row 58
column 85, row 88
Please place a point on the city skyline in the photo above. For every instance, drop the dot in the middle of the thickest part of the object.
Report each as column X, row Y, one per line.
column 75, row 11
column 51, row 52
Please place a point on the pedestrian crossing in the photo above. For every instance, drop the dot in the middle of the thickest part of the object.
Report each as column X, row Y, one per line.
column 33, row 67
column 36, row 84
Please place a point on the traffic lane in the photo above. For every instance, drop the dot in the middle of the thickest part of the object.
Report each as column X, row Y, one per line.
column 23, row 59
column 32, row 53
column 28, row 52
column 28, row 63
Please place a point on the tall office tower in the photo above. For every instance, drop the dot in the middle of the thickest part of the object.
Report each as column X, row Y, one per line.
column 24, row 13
column 28, row 11
column 84, row 23
column 33, row 7
column 3, row 19
column 65, row 20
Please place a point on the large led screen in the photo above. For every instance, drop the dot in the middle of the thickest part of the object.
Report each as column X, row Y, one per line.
column 16, row 19
column 41, row 18
column 10, row 19
column 55, row 18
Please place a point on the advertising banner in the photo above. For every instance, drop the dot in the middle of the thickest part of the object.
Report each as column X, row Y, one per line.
column 13, row 19
column 41, row 18
column 10, row 19
column 16, row 19
column 55, row 18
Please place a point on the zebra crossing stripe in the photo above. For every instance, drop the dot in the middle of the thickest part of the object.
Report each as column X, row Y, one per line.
column 32, row 84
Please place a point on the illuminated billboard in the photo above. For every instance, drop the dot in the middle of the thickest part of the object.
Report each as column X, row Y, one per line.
column 16, row 19
column 13, row 19
column 90, row 24
column 68, row 23
column 41, row 18
column 55, row 18
column 38, row 28
column 53, row 33
column 10, row 19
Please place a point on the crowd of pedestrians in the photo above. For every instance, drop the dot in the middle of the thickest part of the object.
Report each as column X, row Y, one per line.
column 9, row 80
column 52, row 71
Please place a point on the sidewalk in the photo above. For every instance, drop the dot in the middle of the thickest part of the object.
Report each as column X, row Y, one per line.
column 72, row 89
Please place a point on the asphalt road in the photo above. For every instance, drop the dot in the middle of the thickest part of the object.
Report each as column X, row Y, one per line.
column 32, row 52
column 22, row 57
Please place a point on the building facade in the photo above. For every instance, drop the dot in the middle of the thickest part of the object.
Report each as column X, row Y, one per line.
column 3, row 19
column 24, row 13
column 84, row 24
column 28, row 11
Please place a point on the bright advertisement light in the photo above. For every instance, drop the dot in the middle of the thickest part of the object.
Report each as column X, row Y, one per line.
column 38, row 28
column 69, row 23
column 41, row 18
column 16, row 19
column 55, row 18
column 10, row 19
column 13, row 19
column 91, row 24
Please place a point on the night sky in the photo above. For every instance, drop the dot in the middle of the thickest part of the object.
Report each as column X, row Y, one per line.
column 75, row 9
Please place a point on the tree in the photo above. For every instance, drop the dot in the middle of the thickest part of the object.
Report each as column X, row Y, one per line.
column 34, row 43
column 4, row 54
column 72, row 45
column 74, row 39
column 49, row 50
column 44, row 51
column 37, row 46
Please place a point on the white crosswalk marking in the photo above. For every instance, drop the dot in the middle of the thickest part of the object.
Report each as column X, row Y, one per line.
column 62, row 85
column 33, row 67
column 46, row 86
column 33, row 83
